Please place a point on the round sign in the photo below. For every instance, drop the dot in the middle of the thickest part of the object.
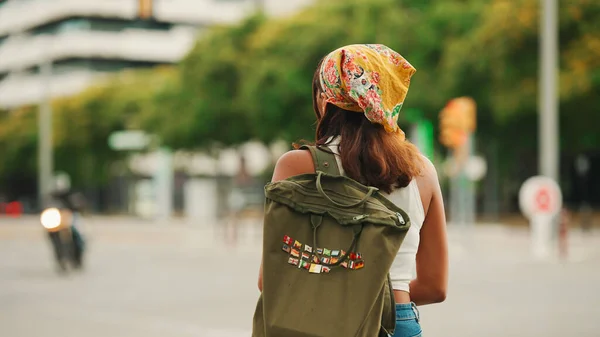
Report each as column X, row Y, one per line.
column 476, row 168
column 540, row 195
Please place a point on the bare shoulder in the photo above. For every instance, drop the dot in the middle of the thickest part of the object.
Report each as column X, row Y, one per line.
column 429, row 171
column 293, row 163
column 428, row 183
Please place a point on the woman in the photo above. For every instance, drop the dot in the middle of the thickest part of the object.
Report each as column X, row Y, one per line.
column 358, row 91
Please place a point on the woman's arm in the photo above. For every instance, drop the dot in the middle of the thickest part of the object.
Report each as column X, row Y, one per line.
column 291, row 164
column 432, row 256
column 260, row 276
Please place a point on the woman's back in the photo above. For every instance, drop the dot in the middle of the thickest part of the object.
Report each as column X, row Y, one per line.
column 358, row 93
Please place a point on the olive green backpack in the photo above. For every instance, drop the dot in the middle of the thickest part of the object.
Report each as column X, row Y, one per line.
column 328, row 246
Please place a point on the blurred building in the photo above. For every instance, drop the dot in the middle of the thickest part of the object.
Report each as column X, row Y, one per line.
column 86, row 39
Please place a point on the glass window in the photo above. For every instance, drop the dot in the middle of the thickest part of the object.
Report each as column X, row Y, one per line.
column 74, row 25
column 98, row 24
column 100, row 65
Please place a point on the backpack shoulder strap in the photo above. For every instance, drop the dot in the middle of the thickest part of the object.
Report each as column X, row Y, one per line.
column 388, row 316
column 324, row 159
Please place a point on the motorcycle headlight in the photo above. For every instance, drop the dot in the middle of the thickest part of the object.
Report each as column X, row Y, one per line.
column 51, row 218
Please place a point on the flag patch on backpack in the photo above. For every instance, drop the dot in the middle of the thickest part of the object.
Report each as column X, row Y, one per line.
column 300, row 256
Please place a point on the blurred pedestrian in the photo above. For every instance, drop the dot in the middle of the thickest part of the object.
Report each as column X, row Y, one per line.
column 563, row 233
column 243, row 182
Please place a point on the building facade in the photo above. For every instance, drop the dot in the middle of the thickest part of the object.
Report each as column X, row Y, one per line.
column 59, row 47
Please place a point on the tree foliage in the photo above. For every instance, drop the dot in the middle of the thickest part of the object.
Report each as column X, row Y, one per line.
column 253, row 80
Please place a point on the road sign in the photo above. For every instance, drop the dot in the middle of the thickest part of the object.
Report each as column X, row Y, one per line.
column 475, row 168
column 129, row 140
column 540, row 200
column 540, row 196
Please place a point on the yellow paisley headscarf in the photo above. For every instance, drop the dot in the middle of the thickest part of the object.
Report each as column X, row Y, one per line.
column 368, row 78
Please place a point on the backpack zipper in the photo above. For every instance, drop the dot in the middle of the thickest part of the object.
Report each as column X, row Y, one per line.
column 360, row 217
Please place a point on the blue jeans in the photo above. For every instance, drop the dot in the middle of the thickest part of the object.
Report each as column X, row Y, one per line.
column 407, row 321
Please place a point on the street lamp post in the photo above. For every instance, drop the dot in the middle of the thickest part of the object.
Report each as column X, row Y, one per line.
column 548, row 103
column 45, row 153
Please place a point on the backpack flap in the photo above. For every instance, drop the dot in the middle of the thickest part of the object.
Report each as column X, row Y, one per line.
column 341, row 198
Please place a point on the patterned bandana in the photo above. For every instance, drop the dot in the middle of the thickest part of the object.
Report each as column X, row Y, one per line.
column 368, row 78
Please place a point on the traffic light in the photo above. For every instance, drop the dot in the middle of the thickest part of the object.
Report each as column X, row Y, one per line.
column 453, row 138
column 457, row 121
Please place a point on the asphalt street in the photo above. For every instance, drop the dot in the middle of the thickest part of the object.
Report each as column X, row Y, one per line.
column 188, row 279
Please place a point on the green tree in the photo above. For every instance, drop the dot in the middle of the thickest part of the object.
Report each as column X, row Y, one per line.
column 253, row 81
column 199, row 109
column 497, row 62
column 18, row 148
column 285, row 53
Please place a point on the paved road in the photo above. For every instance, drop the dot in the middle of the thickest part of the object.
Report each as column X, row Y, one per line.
column 145, row 279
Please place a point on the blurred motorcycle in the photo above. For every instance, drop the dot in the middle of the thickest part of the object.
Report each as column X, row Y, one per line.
column 66, row 239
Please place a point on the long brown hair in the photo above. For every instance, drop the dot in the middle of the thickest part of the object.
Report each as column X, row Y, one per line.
column 368, row 153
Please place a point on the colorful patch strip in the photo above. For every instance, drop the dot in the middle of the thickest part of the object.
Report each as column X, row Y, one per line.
column 302, row 258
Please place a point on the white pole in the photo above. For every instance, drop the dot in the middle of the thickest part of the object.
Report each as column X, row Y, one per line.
column 163, row 184
column 45, row 155
column 548, row 102
column 541, row 236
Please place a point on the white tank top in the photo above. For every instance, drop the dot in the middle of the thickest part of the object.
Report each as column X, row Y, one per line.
column 409, row 199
